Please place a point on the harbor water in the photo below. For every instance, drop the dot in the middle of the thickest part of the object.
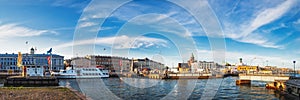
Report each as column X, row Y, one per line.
column 150, row 89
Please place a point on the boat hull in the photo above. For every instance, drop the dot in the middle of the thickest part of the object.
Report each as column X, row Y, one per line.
column 81, row 73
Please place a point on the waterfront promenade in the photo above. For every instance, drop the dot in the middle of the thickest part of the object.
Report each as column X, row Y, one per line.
column 39, row 93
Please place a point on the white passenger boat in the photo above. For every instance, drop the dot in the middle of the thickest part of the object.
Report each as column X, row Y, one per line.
column 81, row 73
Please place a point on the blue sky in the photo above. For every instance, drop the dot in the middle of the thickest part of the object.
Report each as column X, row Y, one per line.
column 259, row 31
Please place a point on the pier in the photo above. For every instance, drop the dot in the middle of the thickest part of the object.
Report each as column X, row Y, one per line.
column 247, row 78
column 5, row 75
column 31, row 81
column 184, row 76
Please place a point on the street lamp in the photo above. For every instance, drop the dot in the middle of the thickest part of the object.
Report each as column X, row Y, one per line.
column 294, row 69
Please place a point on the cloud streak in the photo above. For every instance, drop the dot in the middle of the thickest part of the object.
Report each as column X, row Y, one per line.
column 15, row 30
column 86, row 24
column 119, row 42
column 243, row 32
column 247, row 31
column 267, row 16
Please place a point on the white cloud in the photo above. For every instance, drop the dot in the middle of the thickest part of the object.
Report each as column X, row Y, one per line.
column 267, row 16
column 297, row 22
column 152, row 18
column 257, row 39
column 242, row 33
column 70, row 3
column 119, row 42
column 245, row 31
column 86, row 24
column 100, row 9
column 282, row 25
column 166, row 23
column 15, row 30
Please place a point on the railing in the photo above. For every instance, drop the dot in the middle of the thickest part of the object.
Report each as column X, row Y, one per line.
column 190, row 74
column 263, row 75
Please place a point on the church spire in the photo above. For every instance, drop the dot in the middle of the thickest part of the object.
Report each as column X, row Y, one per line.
column 192, row 58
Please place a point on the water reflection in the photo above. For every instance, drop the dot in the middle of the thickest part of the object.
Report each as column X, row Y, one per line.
column 169, row 89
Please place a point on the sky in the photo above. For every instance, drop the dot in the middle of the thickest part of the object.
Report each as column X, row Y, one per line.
column 262, row 32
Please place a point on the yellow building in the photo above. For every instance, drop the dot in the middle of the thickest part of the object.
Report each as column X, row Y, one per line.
column 183, row 68
column 247, row 69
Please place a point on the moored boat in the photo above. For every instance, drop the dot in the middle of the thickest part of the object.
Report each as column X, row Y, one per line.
column 293, row 87
column 71, row 73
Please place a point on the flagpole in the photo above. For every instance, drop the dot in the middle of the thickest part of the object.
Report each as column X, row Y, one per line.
column 50, row 61
column 50, row 51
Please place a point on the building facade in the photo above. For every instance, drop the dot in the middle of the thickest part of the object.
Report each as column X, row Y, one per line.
column 247, row 69
column 184, row 67
column 122, row 64
column 146, row 63
column 9, row 61
column 206, row 66
column 112, row 63
column 81, row 62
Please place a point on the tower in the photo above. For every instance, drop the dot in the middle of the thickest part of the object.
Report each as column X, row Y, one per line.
column 241, row 62
column 31, row 51
column 192, row 59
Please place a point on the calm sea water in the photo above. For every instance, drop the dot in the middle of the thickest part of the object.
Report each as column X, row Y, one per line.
column 150, row 89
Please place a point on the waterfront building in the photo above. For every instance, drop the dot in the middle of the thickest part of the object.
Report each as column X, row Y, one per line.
column 247, row 69
column 112, row 63
column 195, row 66
column 81, row 62
column 183, row 67
column 206, row 66
column 191, row 60
column 243, row 68
column 9, row 61
column 146, row 64
column 233, row 69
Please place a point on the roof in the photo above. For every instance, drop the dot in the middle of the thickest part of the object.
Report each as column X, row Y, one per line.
column 35, row 55
column 183, row 65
